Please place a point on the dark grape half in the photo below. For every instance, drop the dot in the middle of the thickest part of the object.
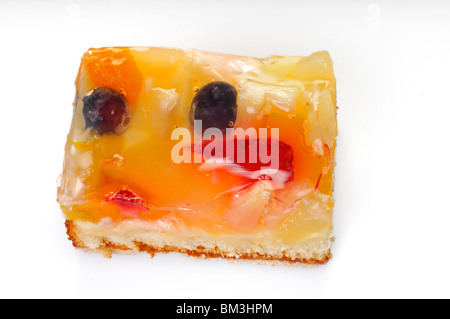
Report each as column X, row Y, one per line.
column 215, row 105
column 106, row 111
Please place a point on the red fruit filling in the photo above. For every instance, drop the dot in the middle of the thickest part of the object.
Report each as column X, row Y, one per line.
column 249, row 160
column 127, row 197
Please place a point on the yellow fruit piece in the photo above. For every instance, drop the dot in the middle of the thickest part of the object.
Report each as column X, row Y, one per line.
column 309, row 218
column 317, row 69
column 321, row 123
column 248, row 206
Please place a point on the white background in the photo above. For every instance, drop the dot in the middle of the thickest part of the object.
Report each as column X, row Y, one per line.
column 392, row 215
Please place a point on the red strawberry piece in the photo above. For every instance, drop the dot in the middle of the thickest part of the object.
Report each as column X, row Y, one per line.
column 128, row 198
column 246, row 160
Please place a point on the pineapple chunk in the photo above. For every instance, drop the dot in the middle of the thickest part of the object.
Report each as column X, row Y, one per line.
column 309, row 218
column 321, row 120
column 248, row 206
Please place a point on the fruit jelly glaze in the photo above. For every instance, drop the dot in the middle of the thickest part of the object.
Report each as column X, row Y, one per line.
column 121, row 168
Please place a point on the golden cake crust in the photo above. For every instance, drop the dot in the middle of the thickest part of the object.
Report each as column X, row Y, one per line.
column 109, row 247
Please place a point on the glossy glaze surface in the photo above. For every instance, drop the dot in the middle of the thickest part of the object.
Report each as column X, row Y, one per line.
column 132, row 175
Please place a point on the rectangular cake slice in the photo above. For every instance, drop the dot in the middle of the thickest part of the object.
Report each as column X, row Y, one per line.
column 212, row 155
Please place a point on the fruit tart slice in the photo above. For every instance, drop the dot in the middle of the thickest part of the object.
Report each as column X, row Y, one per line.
column 207, row 154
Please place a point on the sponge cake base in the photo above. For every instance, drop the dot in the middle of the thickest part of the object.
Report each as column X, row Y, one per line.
column 112, row 239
